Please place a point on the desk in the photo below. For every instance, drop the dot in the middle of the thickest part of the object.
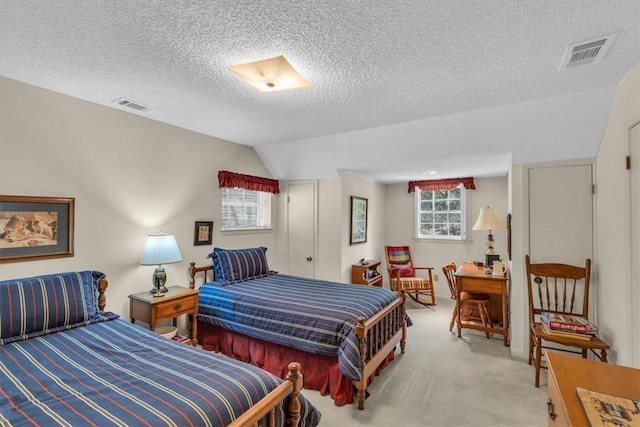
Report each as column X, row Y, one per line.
column 568, row 372
column 470, row 278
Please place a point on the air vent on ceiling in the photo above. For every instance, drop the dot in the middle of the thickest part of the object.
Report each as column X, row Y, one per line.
column 587, row 52
column 124, row 102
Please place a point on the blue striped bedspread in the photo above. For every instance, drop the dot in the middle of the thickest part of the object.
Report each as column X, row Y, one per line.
column 116, row 373
column 314, row 316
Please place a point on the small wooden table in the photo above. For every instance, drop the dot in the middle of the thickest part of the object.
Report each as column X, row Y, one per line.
column 366, row 274
column 470, row 278
column 566, row 373
column 176, row 302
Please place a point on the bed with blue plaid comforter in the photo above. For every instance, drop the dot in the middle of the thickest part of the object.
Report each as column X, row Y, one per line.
column 115, row 373
column 314, row 316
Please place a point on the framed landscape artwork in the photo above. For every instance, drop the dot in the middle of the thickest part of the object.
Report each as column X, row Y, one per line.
column 35, row 228
column 358, row 229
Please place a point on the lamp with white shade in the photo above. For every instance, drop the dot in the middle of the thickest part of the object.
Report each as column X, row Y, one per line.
column 488, row 219
column 160, row 249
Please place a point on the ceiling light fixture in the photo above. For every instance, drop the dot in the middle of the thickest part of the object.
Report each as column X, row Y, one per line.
column 429, row 173
column 270, row 75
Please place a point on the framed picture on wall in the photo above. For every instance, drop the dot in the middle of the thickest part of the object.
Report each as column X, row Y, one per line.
column 34, row 228
column 358, row 229
column 203, row 233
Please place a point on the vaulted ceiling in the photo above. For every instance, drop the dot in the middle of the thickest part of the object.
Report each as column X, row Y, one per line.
column 399, row 87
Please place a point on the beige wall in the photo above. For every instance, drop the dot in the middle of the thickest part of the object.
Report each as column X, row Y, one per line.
column 374, row 192
column 130, row 176
column 618, row 298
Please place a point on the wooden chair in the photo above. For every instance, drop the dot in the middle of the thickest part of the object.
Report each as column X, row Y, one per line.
column 402, row 275
column 563, row 289
column 471, row 302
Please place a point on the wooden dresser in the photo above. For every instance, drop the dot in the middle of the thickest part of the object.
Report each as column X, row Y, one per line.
column 568, row 372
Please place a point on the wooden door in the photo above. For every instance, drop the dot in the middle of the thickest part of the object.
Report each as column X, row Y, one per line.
column 301, row 228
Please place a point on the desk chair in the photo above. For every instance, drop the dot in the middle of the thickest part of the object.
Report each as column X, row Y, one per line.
column 562, row 289
column 470, row 301
column 403, row 275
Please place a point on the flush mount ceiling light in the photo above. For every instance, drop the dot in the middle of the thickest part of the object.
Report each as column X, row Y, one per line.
column 270, row 75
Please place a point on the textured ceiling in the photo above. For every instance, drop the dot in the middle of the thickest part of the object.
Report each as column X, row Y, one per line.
column 398, row 87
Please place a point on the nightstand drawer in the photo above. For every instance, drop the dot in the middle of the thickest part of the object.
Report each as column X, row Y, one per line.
column 175, row 307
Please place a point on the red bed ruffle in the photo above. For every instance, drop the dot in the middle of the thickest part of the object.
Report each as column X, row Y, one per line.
column 320, row 372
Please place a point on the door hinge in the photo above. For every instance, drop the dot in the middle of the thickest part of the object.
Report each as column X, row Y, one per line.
column 593, row 189
column 628, row 162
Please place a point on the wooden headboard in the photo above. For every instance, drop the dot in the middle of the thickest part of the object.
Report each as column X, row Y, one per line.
column 193, row 270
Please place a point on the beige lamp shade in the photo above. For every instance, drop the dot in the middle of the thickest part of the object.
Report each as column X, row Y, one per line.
column 489, row 220
column 270, row 75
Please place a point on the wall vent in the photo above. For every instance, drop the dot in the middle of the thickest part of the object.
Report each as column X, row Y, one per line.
column 586, row 52
column 127, row 103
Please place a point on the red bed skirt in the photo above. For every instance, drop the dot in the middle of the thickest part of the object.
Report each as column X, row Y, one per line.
column 320, row 372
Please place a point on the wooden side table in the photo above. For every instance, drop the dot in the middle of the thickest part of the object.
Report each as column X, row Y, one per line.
column 366, row 274
column 176, row 302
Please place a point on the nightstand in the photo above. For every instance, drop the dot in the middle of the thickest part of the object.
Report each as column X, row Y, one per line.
column 367, row 273
column 176, row 302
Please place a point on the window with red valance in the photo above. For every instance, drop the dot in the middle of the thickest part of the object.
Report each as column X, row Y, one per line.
column 228, row 179
column 441, row 184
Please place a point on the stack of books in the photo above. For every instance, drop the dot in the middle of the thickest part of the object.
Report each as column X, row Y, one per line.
column 566, row 325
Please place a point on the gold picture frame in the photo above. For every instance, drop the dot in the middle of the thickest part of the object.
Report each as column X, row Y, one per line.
column 33, row 228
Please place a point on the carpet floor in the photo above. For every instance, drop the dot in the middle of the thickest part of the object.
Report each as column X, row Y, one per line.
column 443, row 380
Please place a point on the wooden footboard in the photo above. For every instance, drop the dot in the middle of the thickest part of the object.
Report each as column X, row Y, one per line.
column 378, row 336
column 265, row 408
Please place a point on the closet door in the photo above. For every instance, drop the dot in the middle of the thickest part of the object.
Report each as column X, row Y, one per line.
column 301, row 229
column 561, row 214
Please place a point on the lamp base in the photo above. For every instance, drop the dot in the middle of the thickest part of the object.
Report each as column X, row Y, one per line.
column 159, row 280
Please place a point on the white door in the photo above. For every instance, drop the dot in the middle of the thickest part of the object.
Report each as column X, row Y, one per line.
column 634, row 150
column 301, row 208
column 561, row 214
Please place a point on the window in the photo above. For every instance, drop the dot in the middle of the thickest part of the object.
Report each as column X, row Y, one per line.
column 245, row 209
column 440, row 214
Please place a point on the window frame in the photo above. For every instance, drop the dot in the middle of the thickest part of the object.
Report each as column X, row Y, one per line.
column 464, row 223
column 263, row 214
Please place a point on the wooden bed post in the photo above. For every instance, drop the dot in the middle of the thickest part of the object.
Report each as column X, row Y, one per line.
column 102, row 287
column 294, row 403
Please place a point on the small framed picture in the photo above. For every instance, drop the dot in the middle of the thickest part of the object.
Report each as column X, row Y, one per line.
column 358, row 231
column 203, row 234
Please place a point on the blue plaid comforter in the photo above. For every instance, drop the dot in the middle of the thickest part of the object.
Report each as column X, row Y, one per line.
column 116, row 373
column 314, row 316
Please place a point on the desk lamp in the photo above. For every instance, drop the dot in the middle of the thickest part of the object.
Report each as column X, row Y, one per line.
column 489, row 220
column 160, row 249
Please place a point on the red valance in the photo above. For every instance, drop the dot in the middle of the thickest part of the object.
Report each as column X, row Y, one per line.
column 228, row 179
column 441, row 184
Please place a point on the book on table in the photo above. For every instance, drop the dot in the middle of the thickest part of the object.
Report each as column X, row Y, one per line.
column 568, row 322
column 566, row 334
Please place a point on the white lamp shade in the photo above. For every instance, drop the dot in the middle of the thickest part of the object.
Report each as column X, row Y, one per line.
column 160, row 249
column 489, row 220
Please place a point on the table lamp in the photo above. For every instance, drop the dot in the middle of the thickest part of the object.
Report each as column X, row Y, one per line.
column 160, row 249
column 489, row 220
